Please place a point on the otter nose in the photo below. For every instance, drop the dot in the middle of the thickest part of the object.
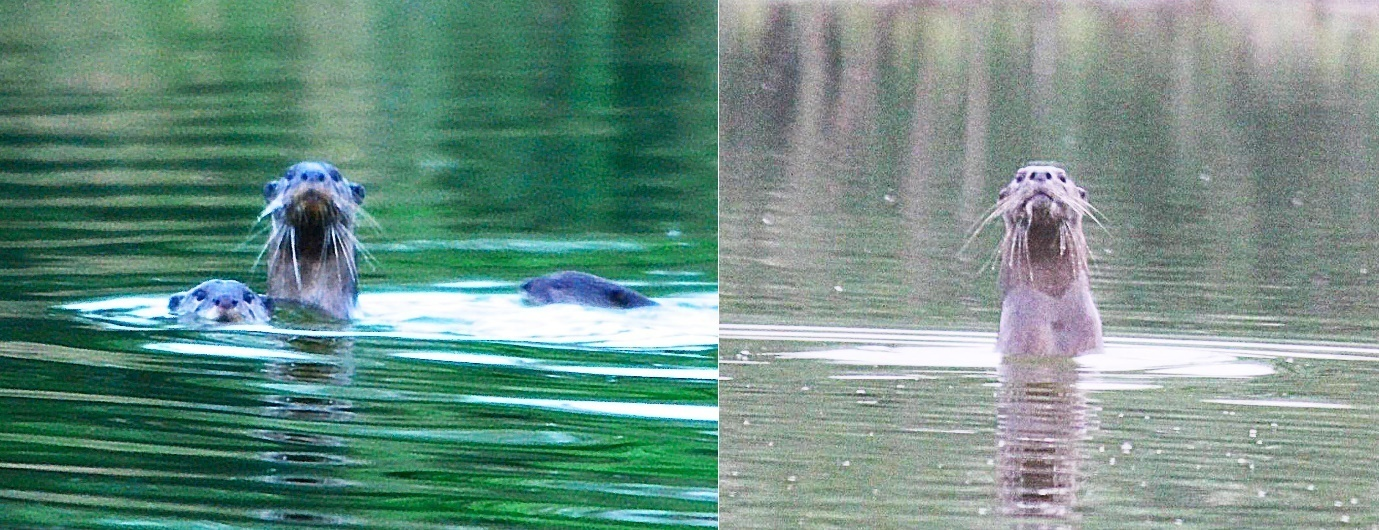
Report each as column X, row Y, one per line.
column 1041, row 176
column 226, row 302
column 314, row 175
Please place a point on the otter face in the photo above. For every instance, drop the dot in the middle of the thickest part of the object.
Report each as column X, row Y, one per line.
column 313, row 193
column 1040, row 194
column 224, row 301
column 311, row 249
column 572, row 287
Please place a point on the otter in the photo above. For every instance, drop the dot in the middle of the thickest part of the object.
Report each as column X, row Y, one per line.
column 1046, row 299
column 311, row 248
column 574, row 287
column 221, row 301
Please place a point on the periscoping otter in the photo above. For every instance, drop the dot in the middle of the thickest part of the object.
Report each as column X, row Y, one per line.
column 574, row 287
column 1046, row 300
column 311, row 249
column 221, row 301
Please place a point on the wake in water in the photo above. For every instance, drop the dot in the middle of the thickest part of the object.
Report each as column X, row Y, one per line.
column 686, row 322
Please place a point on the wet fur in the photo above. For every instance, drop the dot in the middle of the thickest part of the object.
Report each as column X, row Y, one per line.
column 1046, row 299
column 573, row 287
column 221, row 301
column 312, row 247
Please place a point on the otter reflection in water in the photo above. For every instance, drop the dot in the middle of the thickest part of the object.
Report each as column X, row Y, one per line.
column 1046, row 300
column 1041, row 420
column 311, row 248
column 225, row 301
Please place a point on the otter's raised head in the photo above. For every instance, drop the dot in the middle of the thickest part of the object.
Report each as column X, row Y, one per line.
column 1042, row 195
column 1046, row 298
column 311, row 249
column 221, row 301
column 1043, row 211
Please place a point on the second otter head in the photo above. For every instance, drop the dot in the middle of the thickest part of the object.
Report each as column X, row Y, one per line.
column 224, row 301
column 574, row 287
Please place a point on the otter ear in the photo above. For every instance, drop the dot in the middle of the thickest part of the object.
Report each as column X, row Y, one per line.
column 175, row 301
column 267, row 302
column 1003, row 193
column 358, row 191
column 1082, row 192
column 270, row 190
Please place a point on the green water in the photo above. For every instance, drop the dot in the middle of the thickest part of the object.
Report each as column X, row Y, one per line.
column 496, row 140
column 1230, row 148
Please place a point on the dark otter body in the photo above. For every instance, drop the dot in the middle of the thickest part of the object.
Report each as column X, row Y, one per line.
column 221, row 301
column 572, row 287
column 1046, row 300
column 311, row 249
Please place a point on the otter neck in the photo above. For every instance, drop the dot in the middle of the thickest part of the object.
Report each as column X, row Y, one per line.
column 1050, row 257
column 314, row 264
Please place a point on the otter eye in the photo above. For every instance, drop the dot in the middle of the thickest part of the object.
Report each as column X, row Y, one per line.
column 335, row 174
column 248, row 297
column 1082, row 192
column 1062, row 177
column 199, row 295
column 269, row 190
column 358, row 191
column 1019, row 177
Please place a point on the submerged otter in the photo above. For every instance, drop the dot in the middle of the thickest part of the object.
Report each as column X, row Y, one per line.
column 1046, row 300
column 221, row 301
column 573, row 287
column 311, row 249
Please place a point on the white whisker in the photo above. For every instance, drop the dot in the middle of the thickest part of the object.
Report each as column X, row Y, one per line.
column 296, row 268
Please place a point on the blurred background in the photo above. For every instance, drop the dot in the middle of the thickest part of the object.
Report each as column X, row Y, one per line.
column 1230, row 146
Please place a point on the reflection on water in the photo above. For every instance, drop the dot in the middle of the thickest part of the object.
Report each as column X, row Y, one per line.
column 324, row 426
column 848, row 426
column 1041, row 416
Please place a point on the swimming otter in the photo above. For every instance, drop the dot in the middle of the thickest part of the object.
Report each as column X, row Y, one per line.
column 221, row 301
column 311, row 249
column 573, row 287
column 1046, row 300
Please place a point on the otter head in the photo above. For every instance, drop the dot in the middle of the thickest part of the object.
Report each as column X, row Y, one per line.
column 313, row 195
column 221, row 301
column 1042, row 197
column 1043, row 211
column 311, row 249
column 574, row 287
